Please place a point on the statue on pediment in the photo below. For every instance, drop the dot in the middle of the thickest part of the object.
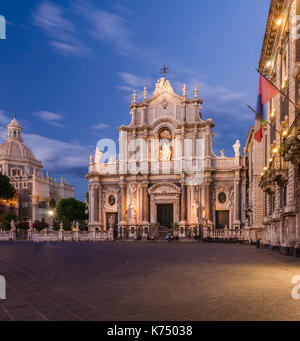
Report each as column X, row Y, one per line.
column 163, row 85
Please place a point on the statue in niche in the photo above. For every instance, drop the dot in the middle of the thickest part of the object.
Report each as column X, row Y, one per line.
column 132, row 210
column 165, row 145
column 195, row 209
column 166, row 152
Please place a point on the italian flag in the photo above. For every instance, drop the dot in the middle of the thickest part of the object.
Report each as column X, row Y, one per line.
column 266, row 91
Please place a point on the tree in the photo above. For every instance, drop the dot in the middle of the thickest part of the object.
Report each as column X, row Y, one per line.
column 69, row 210
column 7, row 191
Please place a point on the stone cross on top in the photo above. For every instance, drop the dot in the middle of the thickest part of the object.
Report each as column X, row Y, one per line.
column 164, row 71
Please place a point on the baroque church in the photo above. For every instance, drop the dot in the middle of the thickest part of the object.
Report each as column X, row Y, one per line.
column 36, row 194
column 167, row 177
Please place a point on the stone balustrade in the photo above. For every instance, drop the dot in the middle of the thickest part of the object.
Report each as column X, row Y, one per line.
column 56, row 236
column 223, row 234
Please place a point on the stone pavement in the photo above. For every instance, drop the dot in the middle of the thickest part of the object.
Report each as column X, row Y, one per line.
column 146, row 281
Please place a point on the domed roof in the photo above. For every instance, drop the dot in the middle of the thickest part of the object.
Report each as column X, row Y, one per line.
column 14, row 148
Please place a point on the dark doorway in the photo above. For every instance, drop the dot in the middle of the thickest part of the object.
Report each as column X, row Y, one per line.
column 222, row 219
column 112, row 218
column 165, row 215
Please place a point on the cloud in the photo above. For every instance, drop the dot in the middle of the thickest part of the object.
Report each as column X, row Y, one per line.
column 56, row 155
column 50, row 118
column 134, row 82
column 112, row 28
column 62, row 26
column 52, row 19
column 70, row 49
column 100, row 126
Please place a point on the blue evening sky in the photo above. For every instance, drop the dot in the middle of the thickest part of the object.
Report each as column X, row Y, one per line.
column 68, row 68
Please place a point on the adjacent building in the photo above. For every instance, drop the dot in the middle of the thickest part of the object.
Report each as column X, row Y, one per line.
column 273, row 203
column 36, row 194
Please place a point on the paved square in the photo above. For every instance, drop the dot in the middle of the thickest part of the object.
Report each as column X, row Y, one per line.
column 146, row 281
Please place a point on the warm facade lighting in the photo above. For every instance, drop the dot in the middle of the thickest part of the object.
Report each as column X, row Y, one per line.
column 284, row 83
column 284, row 133
column 271, row 160
column 275, row 150
column 273, row 113
column 279, row 21
column 265, row 168
column 268, row 63
column 51, row 213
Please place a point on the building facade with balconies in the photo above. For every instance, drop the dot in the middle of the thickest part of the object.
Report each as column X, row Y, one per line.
column 275, row 161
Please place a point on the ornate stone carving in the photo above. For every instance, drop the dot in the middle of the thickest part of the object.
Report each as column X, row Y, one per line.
column 163, row 189
column 163, row 85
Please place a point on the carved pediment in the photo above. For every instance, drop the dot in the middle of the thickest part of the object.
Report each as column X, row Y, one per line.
column 164, row 188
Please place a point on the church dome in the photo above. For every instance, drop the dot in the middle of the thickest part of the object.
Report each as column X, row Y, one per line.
column 14, row 148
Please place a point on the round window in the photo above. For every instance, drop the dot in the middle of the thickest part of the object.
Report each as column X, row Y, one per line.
column 222, row 198
column 111, row 200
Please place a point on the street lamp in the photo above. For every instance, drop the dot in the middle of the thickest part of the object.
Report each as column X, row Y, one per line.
column 51, row 214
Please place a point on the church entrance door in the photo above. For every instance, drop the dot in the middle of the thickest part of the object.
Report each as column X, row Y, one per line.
column 222, row 219
column 165, row 215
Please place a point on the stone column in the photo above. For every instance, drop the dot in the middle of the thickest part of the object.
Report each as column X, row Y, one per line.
column 183, row 203
column 183, row 154
column 91, row 205
column 207, row 200
column 100, row 212
column 144, row 116
column 194, row 148
column 35, row 209
column 134, row 116
column 123, row 204
column 243, row 203
column 145, row 204
column 96, row 202
column 237, row 220
column 189, row 203
column 139, row 203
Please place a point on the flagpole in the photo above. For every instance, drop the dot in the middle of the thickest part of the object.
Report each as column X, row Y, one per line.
column 283, row 94
column 264, row 120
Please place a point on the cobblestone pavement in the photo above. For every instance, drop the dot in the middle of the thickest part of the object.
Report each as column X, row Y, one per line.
column 146, row 281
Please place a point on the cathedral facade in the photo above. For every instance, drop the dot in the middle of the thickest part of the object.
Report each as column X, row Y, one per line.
column 166, row 177
column 36, row 194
